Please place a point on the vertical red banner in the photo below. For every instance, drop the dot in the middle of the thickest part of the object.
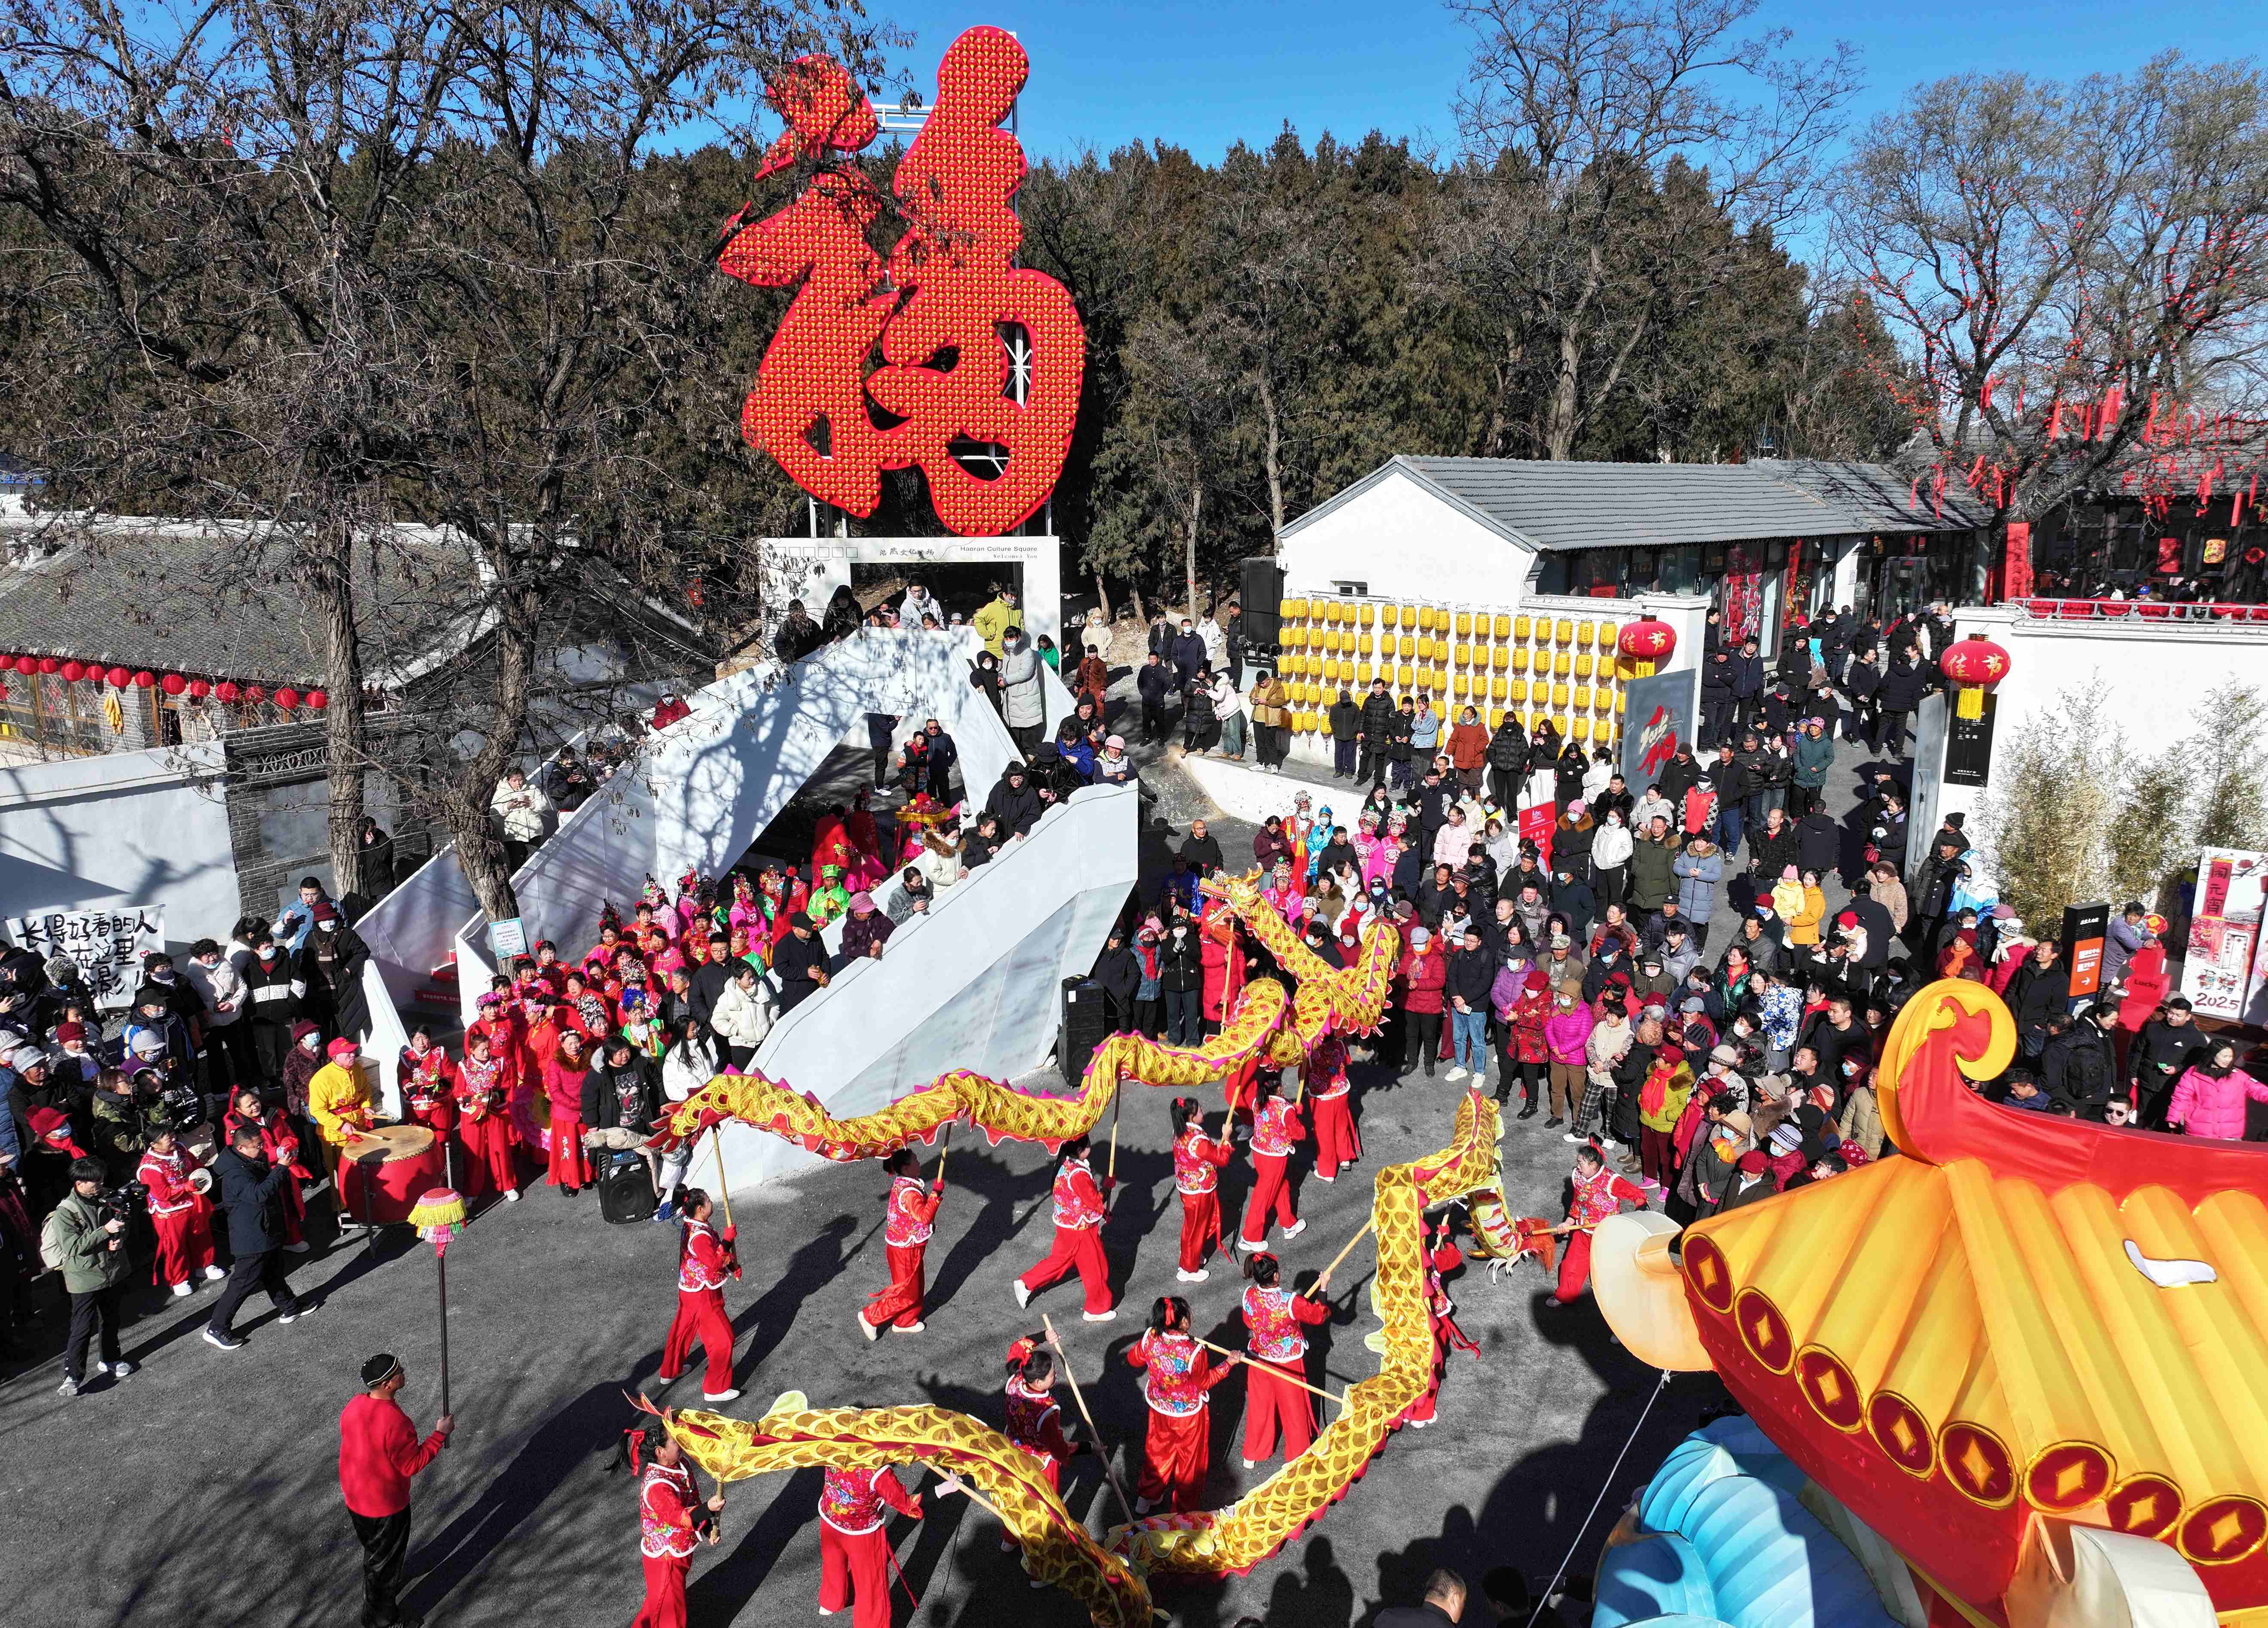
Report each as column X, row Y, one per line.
column 2017, row 563
column 1535, row 827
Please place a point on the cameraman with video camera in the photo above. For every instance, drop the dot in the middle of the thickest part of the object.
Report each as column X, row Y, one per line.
column 85, row 1240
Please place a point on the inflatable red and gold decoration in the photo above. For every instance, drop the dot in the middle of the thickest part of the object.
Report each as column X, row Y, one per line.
column 1974, row 665
column 949, row 387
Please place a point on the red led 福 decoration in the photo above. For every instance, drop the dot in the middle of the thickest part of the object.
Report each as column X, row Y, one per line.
column 938, row 314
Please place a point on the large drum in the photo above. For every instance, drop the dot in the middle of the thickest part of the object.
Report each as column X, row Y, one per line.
column 383, row 1173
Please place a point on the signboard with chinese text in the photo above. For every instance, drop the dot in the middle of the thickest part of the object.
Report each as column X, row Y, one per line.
column 107, row 945
column 1657, row 719
column 2224, row 932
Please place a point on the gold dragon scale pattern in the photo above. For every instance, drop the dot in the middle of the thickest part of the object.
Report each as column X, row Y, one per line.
column 1112, row 1579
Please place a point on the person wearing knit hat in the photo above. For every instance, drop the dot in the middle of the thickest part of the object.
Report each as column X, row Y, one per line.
column 339, row 1101
column 379, row 1452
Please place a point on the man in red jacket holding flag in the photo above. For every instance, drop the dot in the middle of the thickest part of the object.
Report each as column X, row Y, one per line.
column 379, row 1451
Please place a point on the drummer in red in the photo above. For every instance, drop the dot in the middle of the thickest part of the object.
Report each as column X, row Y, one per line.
column 1328, row 1089
column 671, row 1521
column 1080, row 1210
column 703, row 1259
column 1177, row 1373
column 906, row 1225
column 1276, row 1132
column 1198, row 1160
column 1276, row 1355
column 854, row 1551
column 181, row 1214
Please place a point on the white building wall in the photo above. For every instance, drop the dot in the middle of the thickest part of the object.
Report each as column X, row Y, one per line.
column 127, row 827
column 1406, row 543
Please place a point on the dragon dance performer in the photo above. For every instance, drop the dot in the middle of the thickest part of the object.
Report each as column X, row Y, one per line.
column 1178, row 1376
column 906, row 1227
column 1198, row 1160
column 854, row 1552
column 1599, row 1193
column 483, row 1088
column 1276, row 1130
column 1079, row 1209
column 1220, row 951
column 1440, row 1316
column 702, row 1261
column 179, row 1211
column 1328, row 1088
column 1035, row 1421
column 1275, row 1351
column 672, row 1520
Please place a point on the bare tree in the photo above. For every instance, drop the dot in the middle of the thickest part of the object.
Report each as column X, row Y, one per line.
column 2074, row 276
column 1596, row 128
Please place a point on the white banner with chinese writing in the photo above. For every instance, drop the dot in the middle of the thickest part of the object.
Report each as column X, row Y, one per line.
column 107, row 944
column 2224, row 930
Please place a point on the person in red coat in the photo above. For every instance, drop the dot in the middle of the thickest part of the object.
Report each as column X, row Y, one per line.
column 703, row 1258
column 1332, row 1094
column 672, row 1520
column 379, row 1452
column 1079, row 1209
column 1276, row 1132
column 1034, row 1419
column 428, row 1092
column 1275, row 1354
column 483, row 1094
column 1198, row 1160
column 1177, row 1375
column 907, row 1221
column 1424, row 970
column 854, row 1552
column 181, row 1214
column 562, row 1085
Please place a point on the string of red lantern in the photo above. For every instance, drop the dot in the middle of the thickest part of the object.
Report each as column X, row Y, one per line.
column 175, row 684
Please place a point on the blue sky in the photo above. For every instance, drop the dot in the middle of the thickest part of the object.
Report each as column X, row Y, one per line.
column 1205, row 73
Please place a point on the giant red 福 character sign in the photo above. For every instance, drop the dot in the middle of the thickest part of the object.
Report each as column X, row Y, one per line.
column 988, row 426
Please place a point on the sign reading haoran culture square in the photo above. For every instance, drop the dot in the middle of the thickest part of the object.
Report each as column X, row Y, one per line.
column 981, row 360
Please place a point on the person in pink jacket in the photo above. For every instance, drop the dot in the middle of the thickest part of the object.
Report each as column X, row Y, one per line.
column 2209, row 1098
column 1566, row 1032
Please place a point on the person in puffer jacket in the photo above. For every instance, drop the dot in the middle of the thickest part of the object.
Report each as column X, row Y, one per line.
column 1566, row 1032
column 2209, row 1098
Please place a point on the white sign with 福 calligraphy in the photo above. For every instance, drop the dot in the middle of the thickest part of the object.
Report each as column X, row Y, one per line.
column 107, row 944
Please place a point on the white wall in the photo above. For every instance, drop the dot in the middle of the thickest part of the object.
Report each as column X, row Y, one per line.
column 409, row 930
column 974, row 984
column 1406, row 543
column 127, row 827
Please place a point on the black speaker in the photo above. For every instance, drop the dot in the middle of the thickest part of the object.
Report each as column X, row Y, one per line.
column 1084, row 1025
column 1260, row 586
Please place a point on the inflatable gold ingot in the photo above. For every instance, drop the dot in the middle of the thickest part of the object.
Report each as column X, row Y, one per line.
column 1517, row 689
column 1583, row 665
column 1563, row 664
column 1560, row 698
column 1497, row 688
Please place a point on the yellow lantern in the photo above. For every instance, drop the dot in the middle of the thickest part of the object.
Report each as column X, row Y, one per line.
column 1407, row 615
column 1504, row 627
column 1582, row 697
column 1368, row 613
column 1331, row 613
column 1442, row 677
column 1497, row 688
column 1409, row 646
column 1565, row 632
column 1520, row 627
column 1464, row 624
column 1563, row 664
column 1499, row 657
column 1302, row 721
column 1464, row 656
column 1362, row 673
column 1583, row 634
column 1496, row 718
column 1464, row 686
column 1622, row 701
column 1331, row 668
column 1288, row 609
column 1424, row 647
column 1520, row 658
column 1519, row 690
column 1560, row 698
column 1403, row 675
column 1583, row 665
column 1369, row 644
column 1582, row 729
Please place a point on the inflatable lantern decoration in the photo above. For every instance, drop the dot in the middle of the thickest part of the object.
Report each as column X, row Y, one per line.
column 1648, row 643
column 1974, row 664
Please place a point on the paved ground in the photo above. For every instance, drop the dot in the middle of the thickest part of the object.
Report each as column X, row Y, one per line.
column 203, row 1490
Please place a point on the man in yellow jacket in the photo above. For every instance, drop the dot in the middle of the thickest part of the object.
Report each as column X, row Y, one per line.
column 338, row 1099
column 993, row 622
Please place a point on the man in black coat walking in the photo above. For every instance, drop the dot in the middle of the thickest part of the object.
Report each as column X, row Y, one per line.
column 1153, row 681
column 251, row 1190
column 1900, row 694
column 1119, row 972
column 1377, row 731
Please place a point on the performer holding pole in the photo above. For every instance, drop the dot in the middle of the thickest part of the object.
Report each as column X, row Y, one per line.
column 1313, row 1390
column 1198, row 1160
column 906, row 1225
column 1276, row 1355
column 1599, row 1193
column 379, row 1452
column 1079, row 1205
column 724, row 1192
column 1177, row 1450
column 1079, row 1396
column 853, row 1548
column 1332, row 1094
column 1034, row 1422
column 1440, row 1316
column 1276, row 1130
column 702, row 1260
column 672, row 1520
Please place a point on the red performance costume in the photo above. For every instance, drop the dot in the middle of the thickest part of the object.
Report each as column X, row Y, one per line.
column 182, row 1216
column 668, row 1533
column 428, row 1084
column 562, row 1085
column 281, row 1145
column 906, row 1227
column 1198, row 1163
column 1275, row 1351
column 1336, row 1141
column 1276, row 1130
column 1440, row 1316
column 854, row 1555
column 1596, row 1197
column 702, row 1264
column 1078, row 1240
column 484, row 1090
column 1177, row 1373
column 1035, row 1425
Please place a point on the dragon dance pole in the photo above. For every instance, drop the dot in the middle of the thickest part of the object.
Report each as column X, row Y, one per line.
column 1342, row 1256
column 1079, row 1396
column 724, row 1192
column 1274, row 1369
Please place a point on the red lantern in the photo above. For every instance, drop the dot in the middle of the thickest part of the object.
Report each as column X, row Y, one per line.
column 144, row 679
column 227, row 690
column 1974, row 665
column 199, row 689
column 254, row 694
column 318, row 699
column 1649, row 640
column 26, row 665
column 48, row 664
column 91, row 672
column 119, row 678
column 287, row 697
column 74, row 671
column 173, row 684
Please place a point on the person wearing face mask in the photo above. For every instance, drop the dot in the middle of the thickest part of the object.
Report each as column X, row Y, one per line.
column 1612, row 845
column 327, row 974
column 1180, row 976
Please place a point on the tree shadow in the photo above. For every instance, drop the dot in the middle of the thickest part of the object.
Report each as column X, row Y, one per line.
column 805, row 1271
column 1002, row 1189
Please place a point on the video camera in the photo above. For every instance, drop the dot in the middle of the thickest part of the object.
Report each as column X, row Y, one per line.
column 118, row 1204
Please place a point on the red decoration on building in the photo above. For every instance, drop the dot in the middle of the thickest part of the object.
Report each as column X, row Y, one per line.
column 48, row 664
column 173, row 684
column 318, row 699
column 119, row 677
column 144, row 679
column 1974, row 665
column 254, row 694
column 73, row 672
column 287, row 697
column 945, row 388
column 227, row 690
column 27, row 665
column 199, row 689
column 1649, row 640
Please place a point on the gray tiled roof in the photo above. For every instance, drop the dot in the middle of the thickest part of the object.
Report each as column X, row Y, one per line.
column 1597, row 505
column 205, row 598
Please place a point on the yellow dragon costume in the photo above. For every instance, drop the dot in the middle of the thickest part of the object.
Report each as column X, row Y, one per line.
column 1112, row 1579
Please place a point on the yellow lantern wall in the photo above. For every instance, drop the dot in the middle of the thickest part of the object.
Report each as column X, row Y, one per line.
column 1504, row 627
column 1369, row 613
column 1519, row 626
